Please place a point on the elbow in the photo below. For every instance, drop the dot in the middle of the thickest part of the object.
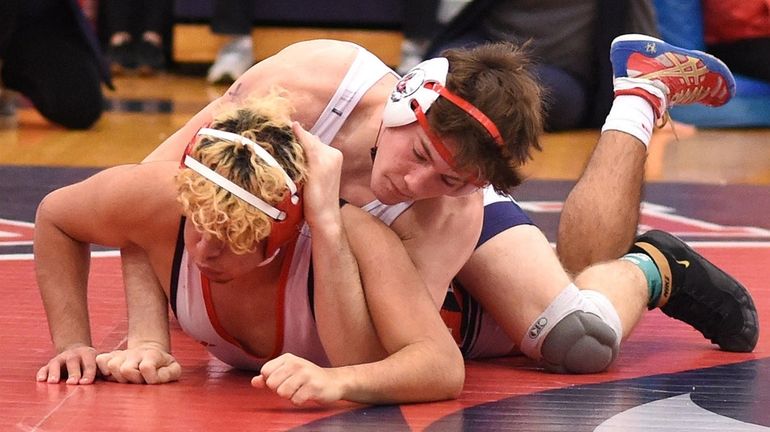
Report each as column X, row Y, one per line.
column 453, row 375
column 47, row 217
column 454, row 385
column 457, row 380
column 42, row 207
column 43, row 213
column 49, row 203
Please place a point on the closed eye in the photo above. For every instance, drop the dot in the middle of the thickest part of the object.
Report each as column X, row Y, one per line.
column 419, row 156
column 451, row 181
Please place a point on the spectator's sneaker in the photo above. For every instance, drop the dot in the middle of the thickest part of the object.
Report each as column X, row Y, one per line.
column 412, row 53
column 232, row 61
column 121, row 57
column 149, row 58
column 666, row 75
column 697, row 292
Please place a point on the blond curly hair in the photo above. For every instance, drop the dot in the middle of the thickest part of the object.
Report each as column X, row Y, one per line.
column 216, row 211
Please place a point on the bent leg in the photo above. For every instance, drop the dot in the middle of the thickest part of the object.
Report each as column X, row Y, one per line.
column 57, row 72
column 515, row 276
column 623, row 284
column 527, row 294
column 600, row 215
column 518, row 294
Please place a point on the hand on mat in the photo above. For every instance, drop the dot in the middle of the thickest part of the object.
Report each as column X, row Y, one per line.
column 77, row 360
column 299, row 380
column 146, row 364
column 322, row 192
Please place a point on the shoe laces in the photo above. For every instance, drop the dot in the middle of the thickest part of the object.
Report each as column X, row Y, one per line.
column 689, row 95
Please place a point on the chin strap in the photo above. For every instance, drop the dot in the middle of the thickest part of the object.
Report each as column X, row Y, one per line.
column 270, row 259
column 373, row 150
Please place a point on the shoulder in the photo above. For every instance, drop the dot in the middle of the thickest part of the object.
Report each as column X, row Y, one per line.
column 445, row 213
column 434, row 220
column 306, row 62
column 309, row 72
column 318, row 49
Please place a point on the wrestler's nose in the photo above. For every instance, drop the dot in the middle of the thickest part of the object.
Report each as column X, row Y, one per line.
column 210, row 246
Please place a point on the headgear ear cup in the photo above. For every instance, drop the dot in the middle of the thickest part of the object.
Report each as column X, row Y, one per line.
column 285, row 231
column 398, row 110
column 422, row 86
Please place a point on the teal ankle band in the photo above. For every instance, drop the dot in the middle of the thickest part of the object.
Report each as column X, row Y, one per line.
column 651, row 273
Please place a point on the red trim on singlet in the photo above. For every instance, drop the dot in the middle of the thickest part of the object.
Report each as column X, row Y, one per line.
column 279, row 305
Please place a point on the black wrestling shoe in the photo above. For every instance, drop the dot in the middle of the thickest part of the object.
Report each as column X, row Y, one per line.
column 697, row 292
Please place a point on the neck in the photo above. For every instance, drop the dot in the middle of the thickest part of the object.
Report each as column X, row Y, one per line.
column 356, row 140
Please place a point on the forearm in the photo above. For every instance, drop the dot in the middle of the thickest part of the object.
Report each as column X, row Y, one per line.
column 425, row 362
column 145, row 300
column 342, row 317
column 421, row 372
column 61, row 268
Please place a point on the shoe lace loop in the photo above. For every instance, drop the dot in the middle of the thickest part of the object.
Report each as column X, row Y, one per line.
column 689, row 95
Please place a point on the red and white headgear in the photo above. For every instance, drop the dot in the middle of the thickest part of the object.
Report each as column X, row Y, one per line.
column 415, row 93
column 287, row 215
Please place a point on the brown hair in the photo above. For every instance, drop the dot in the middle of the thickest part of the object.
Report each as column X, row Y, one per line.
column 216, row 211
column 496, row 79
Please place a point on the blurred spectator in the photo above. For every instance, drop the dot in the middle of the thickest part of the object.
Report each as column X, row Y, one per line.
column 232, row 18
column 49, row 53
column 135, row 29
column 7, row 109
column 569, row 41
column 420, row 26
column 738, row 32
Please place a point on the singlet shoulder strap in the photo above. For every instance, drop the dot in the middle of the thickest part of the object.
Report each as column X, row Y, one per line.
column 176, row 263
column 365, row 71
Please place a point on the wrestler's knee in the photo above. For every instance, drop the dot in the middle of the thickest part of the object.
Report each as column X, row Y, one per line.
column 580, row 343
column 579, row 332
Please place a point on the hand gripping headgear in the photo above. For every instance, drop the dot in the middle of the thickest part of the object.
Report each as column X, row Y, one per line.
column 287, row 215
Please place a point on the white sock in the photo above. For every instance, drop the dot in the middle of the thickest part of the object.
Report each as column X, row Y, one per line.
column 632, row 115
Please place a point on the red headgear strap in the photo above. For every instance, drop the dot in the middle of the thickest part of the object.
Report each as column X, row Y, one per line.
column 417, row 91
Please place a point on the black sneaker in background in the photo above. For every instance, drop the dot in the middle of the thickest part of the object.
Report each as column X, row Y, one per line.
column 121, row 58
column 702, row 295
column 150, row 58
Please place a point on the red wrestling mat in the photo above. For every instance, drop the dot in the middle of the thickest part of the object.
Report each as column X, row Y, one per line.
column 211, row 397
column 662, row 363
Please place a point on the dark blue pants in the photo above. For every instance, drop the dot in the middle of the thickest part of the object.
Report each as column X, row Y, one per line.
column 566, row 97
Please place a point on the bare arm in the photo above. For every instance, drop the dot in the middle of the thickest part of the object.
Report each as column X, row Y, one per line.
column 424, row 362
column 342, row 319
column 147, row 358
column 109, row 208
column 420, row 361
column 61, row 267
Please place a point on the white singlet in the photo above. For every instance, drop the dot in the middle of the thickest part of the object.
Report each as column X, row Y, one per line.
column 479, row 336
column 295, row 329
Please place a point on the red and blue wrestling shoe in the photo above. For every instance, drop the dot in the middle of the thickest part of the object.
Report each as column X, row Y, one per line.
column 666, row 75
